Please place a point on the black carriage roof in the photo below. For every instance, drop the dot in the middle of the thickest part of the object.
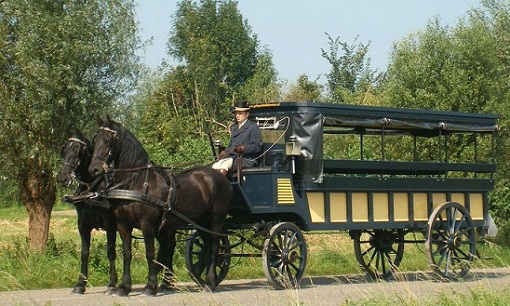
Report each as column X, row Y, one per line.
column 364, row 117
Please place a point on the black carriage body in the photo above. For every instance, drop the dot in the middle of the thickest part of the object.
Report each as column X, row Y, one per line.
column 299, row 182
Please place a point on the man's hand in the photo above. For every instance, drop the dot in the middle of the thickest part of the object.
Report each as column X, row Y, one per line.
column 240, row 149
column 222, row 154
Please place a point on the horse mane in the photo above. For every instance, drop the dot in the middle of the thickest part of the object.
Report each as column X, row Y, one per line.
column 133, row 154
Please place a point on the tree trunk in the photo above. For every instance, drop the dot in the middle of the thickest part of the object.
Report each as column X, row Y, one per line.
column 38, row 193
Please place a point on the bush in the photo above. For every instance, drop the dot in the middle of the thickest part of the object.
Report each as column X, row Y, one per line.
column 9, row 193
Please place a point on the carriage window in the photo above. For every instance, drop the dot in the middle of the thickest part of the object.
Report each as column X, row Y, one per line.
column 273, row 129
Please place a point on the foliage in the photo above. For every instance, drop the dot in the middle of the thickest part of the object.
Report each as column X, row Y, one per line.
column 219, row 54
column 262, row 86
column 304, row 90
column 350, row 73
column 9, row 193
column 220, row 63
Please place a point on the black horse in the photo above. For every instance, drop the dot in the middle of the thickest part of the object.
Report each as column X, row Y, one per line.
column 76, row 155
column 201, row 194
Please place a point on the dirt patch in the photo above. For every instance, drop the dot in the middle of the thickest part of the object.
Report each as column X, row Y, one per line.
column 64, row 213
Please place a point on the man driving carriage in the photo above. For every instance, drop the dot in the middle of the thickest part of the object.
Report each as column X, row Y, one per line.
column 245, row 142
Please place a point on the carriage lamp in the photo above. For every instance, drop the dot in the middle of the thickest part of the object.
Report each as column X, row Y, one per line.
column 292, row 148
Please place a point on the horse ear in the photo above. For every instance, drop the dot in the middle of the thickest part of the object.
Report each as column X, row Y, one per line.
column 78, row 133
column 108, row 120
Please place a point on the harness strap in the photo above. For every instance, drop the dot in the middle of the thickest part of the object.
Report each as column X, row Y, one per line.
column 169, row 201
column 124, row 194
column 146, row 182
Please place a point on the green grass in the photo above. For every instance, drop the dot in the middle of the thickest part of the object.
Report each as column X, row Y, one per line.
column 329, row 253
column 478, row 297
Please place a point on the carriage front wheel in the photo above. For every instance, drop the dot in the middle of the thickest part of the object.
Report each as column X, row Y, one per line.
column 378, row 252
column 451, row 240
column 284, row 256
column 196, row 262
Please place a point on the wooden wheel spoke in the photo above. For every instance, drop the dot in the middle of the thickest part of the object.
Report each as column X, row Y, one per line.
column 460, row 223
column 374, row 255
column 389, row 259
column 464, row 232
column 367, row 251
column 392, row 251
column 464, row 254
column 440, row 249
column 383, row 262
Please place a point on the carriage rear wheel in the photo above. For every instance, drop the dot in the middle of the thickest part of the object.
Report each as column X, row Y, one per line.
column 451, row 240
column 196, row 261
column 284, row 256
column 379, row 252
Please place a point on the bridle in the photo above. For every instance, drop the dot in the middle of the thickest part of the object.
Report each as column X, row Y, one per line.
column 82, row 147
column 111, row 134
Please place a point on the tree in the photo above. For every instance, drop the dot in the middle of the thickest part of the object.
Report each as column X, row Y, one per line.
column 219, row 55
column 304, row 90
column 262, row 86
column 350, row 73
column 61, row 63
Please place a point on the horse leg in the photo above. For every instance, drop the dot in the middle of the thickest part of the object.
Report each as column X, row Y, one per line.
column 111, row 237
column 214, row 248
column 125, row 287
column 152, row 280
column 79, row 287
column 164, row 263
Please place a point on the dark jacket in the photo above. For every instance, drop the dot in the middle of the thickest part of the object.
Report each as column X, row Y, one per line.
column 248, row 136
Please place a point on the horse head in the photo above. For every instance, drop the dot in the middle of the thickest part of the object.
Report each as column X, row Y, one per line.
column 105, row 146
column 76, row 154
column 113, row 144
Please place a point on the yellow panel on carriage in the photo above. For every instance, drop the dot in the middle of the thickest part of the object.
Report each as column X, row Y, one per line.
column 316, row 206
column 420, row 205
column 338, row 206
column 438, row 199
column 285, row 193
column 476, row 206
column 360, row 207
column 401, row 206
column 381, row 207
column 459, row 198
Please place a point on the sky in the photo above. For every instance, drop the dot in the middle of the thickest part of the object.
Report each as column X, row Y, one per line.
column 294, row 30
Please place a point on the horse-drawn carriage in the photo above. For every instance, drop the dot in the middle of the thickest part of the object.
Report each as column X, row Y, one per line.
column 378, row 173
column 361, row 185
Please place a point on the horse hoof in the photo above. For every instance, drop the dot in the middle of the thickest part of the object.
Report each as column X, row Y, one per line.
column 149, row 292
column 120, row 292
column 209, row 288
column 166, row 286
column 78, row 291
column 110, row 291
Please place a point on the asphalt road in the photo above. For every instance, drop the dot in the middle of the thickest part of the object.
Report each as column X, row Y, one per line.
column 332, row 290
